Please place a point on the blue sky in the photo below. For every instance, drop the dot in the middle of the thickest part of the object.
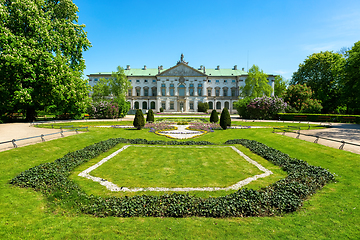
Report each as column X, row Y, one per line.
column 275, row 35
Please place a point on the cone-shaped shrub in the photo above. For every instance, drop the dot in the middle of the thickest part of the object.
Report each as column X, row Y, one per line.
column 214, row 118
column 139, row 120
column 225, row 119
column 150, row 116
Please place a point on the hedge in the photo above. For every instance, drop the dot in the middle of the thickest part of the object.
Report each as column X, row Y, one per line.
column 283, row 196
column 320, row 117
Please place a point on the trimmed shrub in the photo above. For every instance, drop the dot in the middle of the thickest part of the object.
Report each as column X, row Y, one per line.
column 214, row 118
column 161, row 109
column 203, row 107
column 225, row 119
column 139, row 121
column 150, row 116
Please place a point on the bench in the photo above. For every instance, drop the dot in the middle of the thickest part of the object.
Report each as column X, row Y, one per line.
column 299, row 118
column 324, row 119
column 350, row 119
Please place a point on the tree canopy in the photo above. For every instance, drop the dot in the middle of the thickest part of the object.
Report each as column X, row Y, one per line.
column 351, row 92
column 280, row 85
column 256, row 84
column 323, row 72
column 117, row 86
column 41, row 61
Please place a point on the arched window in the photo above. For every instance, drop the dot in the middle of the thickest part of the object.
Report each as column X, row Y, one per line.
column 210, row 105
column 152, row 104
column 136, row 105
column 144, row 105
column 227, row 105
column 218, row 105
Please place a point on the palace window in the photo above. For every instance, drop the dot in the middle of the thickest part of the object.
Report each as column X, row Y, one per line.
column 163, row 105
column 181, row 90
column 137, row 80
column 171, row 92
column 209, row 80
column 209, row 92
column 163, row 85
column 171, row 85
column 129, row 92
column 162, row 91
column 191, row 91
column 217, row 92
column 199, row 85
column 138, row 92
column 233, row 81
column 171, row 105
column 233, row 92
column 154, row 81
column 136, row 105
column 225, row 92
column 154, row 91
column 191, row 85
column 146, row 92
column 218, row 105
column 200, row 91
column 145, row 80
column 225, row 81
column 191, row 105
column 210, row 105
column 217, row 81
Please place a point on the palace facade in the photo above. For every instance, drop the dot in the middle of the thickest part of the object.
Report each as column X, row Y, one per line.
column 181, row 87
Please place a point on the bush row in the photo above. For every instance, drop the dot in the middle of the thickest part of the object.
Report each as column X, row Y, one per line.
column 320, row 117
column 283, row 196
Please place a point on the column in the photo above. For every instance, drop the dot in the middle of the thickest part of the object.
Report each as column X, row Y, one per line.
column 158, row 85
column 142, row 91
column 195, row 105
column 186, row 105
column 204, row 93
column 157, row 105
column 176, row 90
column 167, row 89
column 133, row 92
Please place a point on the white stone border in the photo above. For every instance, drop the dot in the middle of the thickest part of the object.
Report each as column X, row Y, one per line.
column 113, row 187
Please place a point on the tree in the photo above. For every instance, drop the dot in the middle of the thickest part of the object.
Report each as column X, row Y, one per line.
column 351, row 92
column 203, row 107
column 214, row 118
column 280, row 85
column 225, row 119
column 139, row 121
column 101, row 90
column 41, row 60
column 300, row 98
column 323, row 72
column 256, row 84
column 150, row 116
column 241, row 107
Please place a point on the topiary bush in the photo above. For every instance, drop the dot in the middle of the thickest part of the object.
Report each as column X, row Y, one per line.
column 139, row 121
column 214, row 118
column 203, row 107
column 225, row 119
column 150, row 116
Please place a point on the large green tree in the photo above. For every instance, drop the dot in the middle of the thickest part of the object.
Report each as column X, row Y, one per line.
column 323, row 72
column 256, row 84
column 41, row 61
column 117, row 85
column 351, row 92
column 280, row 86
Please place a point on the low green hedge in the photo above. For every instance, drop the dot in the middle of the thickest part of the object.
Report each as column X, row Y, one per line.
column 320, row 117
column 283, row 196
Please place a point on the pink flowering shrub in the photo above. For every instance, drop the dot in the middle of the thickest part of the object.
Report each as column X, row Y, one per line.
column 210, row 127
column 265, row 107
column 158, row 126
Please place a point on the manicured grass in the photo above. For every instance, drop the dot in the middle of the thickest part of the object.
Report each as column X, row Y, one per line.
column 170, row 167
column 332, row 213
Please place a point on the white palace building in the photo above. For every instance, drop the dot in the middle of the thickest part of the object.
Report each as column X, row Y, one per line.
column 181, row 87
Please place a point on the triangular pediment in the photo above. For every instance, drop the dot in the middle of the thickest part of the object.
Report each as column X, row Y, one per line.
column 182, row 69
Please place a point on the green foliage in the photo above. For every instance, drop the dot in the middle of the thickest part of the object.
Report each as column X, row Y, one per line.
column 351, row 91
column 161, row 109
column 241, row 106
column 280, row 86
column 284, row 196
column 139, row 121
column 265, row 107
column 225, row 119
column 214, row 118
column 101, row 90
column 123, row 106
column 150, row 116
column 256, row 84
column 41, row 62
column 299, row 97
column 203, row 107
column 324, row 73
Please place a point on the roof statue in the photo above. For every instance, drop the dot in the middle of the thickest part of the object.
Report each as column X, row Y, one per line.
column 182, row 60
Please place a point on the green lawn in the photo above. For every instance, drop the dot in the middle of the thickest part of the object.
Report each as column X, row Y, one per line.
column 332, row 213
column 170, row 167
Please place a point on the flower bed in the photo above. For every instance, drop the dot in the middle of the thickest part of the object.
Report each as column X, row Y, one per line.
column 283, row 196
column 209, row 127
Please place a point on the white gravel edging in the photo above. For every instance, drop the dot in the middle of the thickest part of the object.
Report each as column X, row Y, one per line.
column 113, row 187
